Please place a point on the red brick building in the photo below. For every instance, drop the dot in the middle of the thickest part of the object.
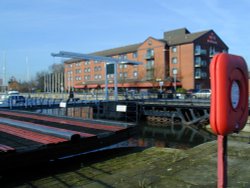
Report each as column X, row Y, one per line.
column 180, row 58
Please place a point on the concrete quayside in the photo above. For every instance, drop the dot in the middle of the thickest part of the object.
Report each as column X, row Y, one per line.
column 152, row 167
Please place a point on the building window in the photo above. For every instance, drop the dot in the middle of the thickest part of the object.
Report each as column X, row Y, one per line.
column 150, row 64
column 212, row 51
column 150, row 53
column 78, row 71
column 204, row 75
column 135, row 74
column 150, row 75
column 198, row 86
column 197, row 73
column 78, row 64
column 110, row 76
column 70, row 65
column 135, row 55
column 174, row 60
column 121, row 66
column 174, row 71
column 87, row 63
column 77, row 78
column 123, row 56
column 197, row 49
column 174, row 49
column 97, row 68
column 197, row 61
column 125, row 74
column 87, row 77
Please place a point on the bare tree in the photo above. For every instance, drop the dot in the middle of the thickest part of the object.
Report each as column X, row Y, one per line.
column 56, row 68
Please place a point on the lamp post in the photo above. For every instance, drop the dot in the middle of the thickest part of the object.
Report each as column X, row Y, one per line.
column 175, row 72
column 62, row 89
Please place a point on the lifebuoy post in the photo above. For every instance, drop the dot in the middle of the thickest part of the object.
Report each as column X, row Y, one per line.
column 229, row 103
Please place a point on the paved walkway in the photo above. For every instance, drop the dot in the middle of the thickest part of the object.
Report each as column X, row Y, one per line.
column 157, row 168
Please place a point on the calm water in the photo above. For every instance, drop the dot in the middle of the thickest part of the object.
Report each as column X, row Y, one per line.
column 149, row 134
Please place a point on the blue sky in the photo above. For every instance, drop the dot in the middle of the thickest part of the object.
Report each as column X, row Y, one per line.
column 31, row 30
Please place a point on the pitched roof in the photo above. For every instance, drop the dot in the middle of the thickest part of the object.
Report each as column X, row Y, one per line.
column 116, row 51
column 111, row 52
column 173, row 37
column 182, row 36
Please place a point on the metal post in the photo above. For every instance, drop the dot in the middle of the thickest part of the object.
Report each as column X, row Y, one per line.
column 53, row 83
column 57, row 86
column 62, row 80
column 44, row 83
column 175, row 72
column 61, row 89
column 59, row 82
column 49, row 81
column 222, row 161
column 115, row 82
column 174, row 82
column 106, row 83
column 4, row 72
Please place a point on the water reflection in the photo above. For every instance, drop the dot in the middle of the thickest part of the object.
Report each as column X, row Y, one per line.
column 165, row 134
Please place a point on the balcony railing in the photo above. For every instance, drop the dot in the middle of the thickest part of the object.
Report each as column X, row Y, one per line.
column 200, row 63
column 149, row 55
column 200, row 75
column 211, row 54
column 200, row 52
column 149, row 67
column 197, row 76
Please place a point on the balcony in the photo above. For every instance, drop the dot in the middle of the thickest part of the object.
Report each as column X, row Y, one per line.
column 149, row 67
column 200, row 63
column 200, row 75
column 149, row 55
column 197, row 76
column 211, row 54
column 150, row 75
column 200, row 52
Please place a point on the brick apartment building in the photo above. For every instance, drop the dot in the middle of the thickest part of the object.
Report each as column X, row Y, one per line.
column 180, row 58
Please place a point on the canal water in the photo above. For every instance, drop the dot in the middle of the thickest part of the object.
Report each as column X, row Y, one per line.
column 173, row 135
